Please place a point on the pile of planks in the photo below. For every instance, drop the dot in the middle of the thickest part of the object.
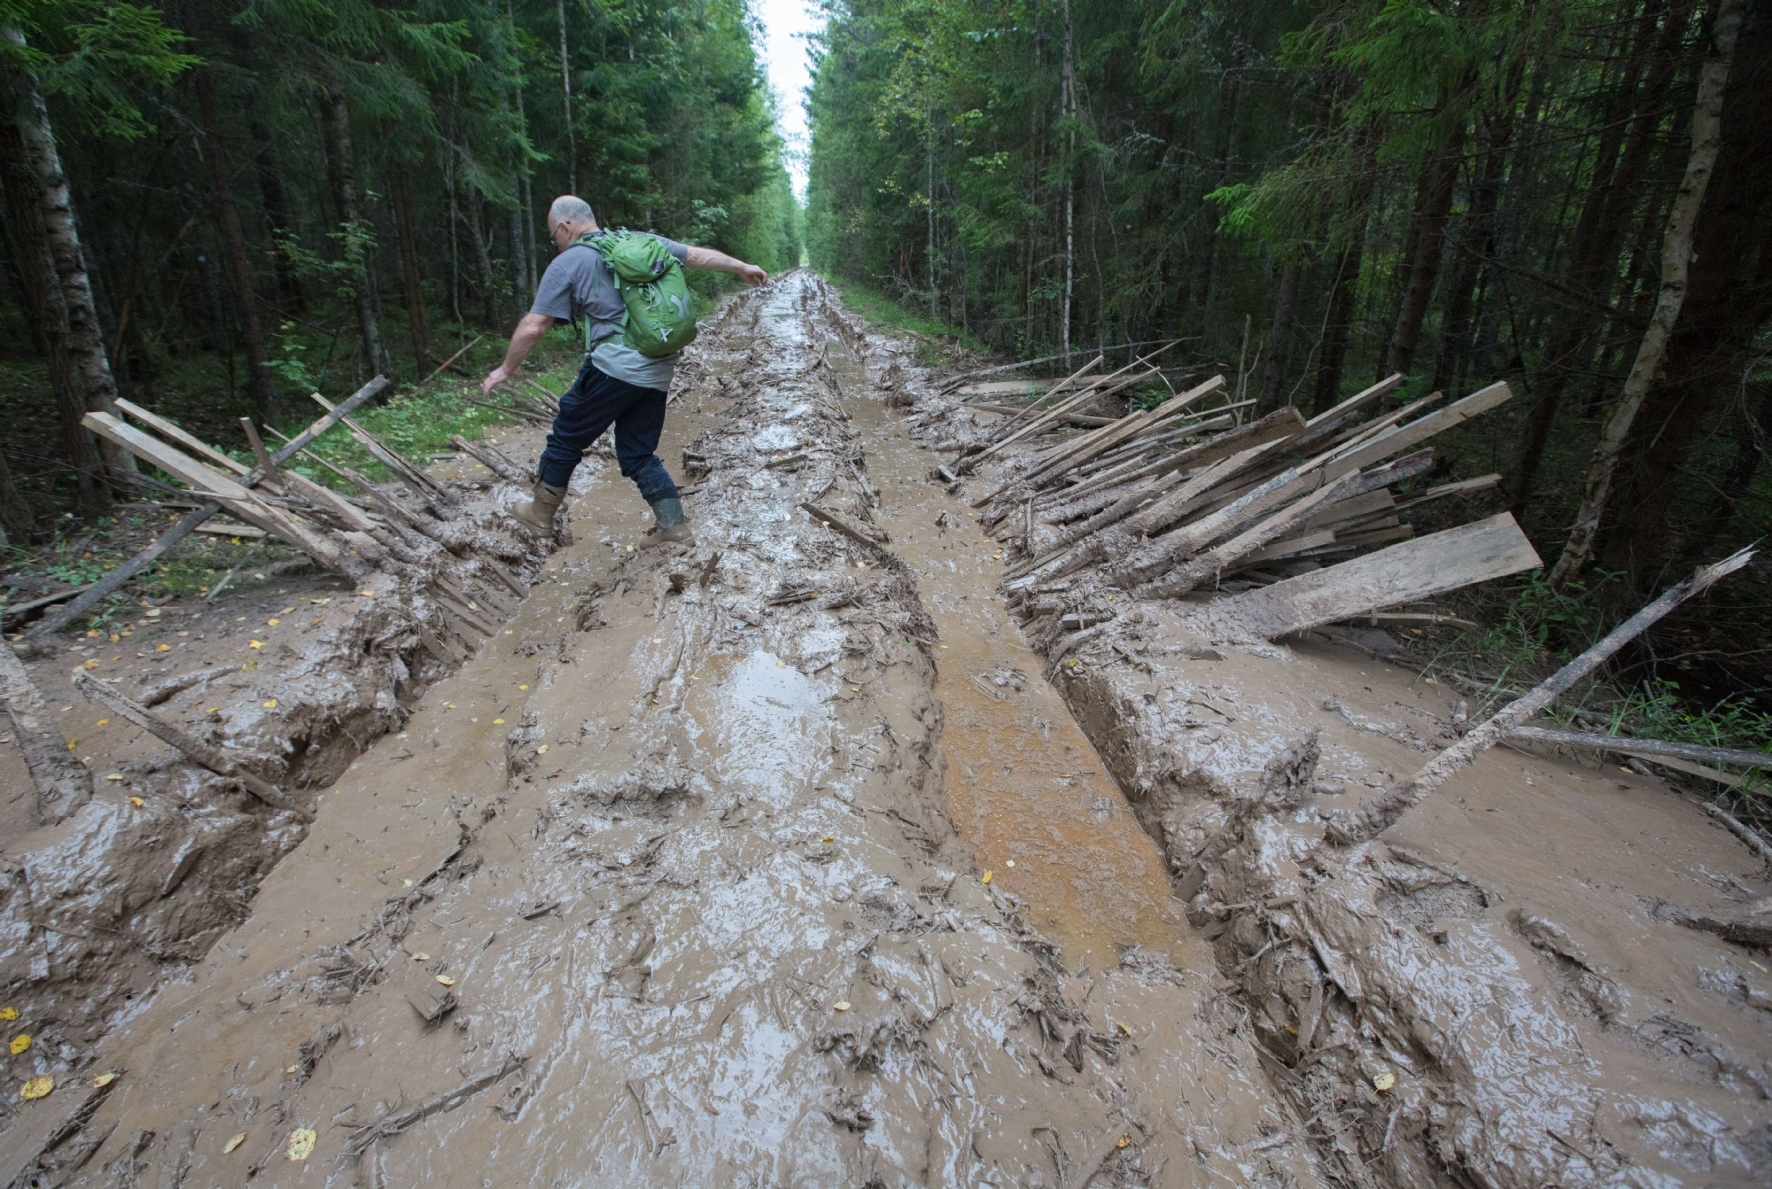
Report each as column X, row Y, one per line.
column 417, row 535
column 1284, row 509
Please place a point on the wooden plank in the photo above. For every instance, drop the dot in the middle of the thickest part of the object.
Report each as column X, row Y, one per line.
column 1088, row 394
column 158, row 548
column 175, row 462
column 1344, row 510
column 1388, row 384
column 1286, row 548
column 1005, row 388
column 228, row 493
column 266, row 465
column 1173, row 409
column 249, row 531
column 1462, row 487
column 1418, row 569
column 1406, row 436
column 169, row 430
column 1086, row 419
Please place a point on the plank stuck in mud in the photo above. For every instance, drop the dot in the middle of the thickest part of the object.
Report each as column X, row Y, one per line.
column 197, row 752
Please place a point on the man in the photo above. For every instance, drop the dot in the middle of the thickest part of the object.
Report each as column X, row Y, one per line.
column 616, row 384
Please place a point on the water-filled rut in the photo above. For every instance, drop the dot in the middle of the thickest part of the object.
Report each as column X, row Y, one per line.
column 681, row 880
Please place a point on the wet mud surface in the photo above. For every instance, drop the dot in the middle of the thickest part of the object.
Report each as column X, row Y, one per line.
column 682, row 879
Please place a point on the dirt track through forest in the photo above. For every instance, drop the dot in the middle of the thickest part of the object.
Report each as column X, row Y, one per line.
column 687, row 868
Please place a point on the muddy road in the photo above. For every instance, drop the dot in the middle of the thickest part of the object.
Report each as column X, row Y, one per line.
column 781, row 860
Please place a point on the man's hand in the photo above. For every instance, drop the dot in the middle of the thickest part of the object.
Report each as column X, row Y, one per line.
column 721, row 262
column 528, row 333
column 494, row 378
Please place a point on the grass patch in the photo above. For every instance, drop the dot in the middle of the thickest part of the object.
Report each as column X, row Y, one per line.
column 1538, row 630
column 938, row 339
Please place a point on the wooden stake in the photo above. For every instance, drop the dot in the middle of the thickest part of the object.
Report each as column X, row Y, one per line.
column 1647, row 748
column 265, row 464
column 1359, row 825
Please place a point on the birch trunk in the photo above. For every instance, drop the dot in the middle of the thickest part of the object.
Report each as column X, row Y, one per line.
column 1676, row 263
column 84, row 343
column 566, row 103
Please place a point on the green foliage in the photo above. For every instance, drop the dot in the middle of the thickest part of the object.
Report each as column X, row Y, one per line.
column 92, row 55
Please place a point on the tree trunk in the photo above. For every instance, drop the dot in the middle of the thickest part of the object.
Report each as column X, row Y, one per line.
column 566, row 103
column 16, row 520
column 344, row 181
column 1676, row 262
column 1229, row 107
column 483, row 260
column 1269, row 400
column 270, row 194
column 1494, row 135
column 1338, row 320
column 1594, row 246
column 399, row 191
column 84, row 344
column 519, row 261
column 1067, row 108
column 1751, row 451
column 264, row 394
column 47, row 312
column 1439, row 182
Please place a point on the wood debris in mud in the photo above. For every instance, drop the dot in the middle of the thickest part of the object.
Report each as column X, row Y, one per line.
column 1350, row 827
column 1172, row 500
column 192, row 520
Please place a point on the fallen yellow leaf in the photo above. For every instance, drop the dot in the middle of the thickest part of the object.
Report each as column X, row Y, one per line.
column 828, row 838
column 841, row 1005
column 256, row 644
column 103, row 1080
column 1384, row 1081
column 421, row 956
column 20, row 1043
column 137, row 802
column 446, row 980
column 368, row 594
column 498, row 722
column 103, row 721
column 8, row 1013
column 90, row 665
column 38, row 1087
column 273, row 622
column 542, row 750
column 987, row 878
column 269, row 703
column 301, row 1143
column 1123, row 1141
column 1121, row 1024
column 233, row 1143
column 522, row 687
column 162, row 648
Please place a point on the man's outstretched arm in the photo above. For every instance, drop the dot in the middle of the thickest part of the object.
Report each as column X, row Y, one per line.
column 523, row 340
column 721, row 262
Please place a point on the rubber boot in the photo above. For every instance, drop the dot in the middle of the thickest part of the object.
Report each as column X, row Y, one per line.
column 671, row 529
column 537, row 512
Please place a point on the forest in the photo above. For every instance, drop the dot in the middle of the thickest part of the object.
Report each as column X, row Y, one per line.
column 214, row 209
column 1573, row 197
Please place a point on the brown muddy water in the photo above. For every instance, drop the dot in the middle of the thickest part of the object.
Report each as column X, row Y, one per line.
column 689, row 879
column 681, row 880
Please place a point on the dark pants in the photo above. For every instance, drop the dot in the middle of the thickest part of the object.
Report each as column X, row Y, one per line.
column 593, row 401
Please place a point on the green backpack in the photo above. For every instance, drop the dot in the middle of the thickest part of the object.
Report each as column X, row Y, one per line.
column 660, row 309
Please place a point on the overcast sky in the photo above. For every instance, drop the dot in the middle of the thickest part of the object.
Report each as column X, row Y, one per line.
column 785, row 23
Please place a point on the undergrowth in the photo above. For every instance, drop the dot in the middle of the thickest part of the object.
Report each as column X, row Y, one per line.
column 1540, row 629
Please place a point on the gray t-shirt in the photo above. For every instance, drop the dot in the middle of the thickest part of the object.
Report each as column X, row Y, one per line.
column 578, row 285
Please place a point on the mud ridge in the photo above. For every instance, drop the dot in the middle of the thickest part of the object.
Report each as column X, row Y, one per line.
column 1483, row 995
column 665, row 887
column 137, row 884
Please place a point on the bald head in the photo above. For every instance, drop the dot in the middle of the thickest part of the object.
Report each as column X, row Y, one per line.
column 568, row 218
